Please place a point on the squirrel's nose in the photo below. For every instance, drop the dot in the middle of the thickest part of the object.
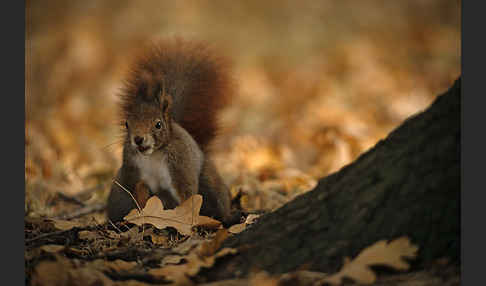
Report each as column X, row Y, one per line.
column 138, row 140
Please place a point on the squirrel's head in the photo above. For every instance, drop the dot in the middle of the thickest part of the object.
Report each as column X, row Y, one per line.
column 149, row 124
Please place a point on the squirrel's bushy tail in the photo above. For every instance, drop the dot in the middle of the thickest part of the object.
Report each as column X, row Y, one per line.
column 197, row 79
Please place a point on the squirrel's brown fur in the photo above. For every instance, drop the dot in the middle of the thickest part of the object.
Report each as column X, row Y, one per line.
column 169, row 106
column 197, row 79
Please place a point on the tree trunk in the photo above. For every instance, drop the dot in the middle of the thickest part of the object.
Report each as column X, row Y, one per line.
column 408, row 184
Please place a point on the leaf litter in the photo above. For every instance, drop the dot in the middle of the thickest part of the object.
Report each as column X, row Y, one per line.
column 262, row 148
column 183, row 218
column 388, row 254
column 203, row 255
column 117, row 249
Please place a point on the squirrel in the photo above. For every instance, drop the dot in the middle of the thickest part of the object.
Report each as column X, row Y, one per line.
column 169, row 105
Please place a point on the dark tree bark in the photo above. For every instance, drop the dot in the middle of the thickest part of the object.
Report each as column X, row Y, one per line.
column 408, row 184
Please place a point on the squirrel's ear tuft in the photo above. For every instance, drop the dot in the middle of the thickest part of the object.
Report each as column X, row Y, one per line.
column 145, row 85
column 165, row 100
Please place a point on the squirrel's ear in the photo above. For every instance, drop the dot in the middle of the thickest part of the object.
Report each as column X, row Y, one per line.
column 165, row 100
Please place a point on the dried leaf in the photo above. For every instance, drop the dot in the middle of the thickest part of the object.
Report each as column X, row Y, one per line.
column 77, row 251
column 180, row 273
column 381, row 253
column 52, row 248
column 264, row 279
column 182, row 218
column 227, row 282
column 237, row 228
column 87, row 235
column 187, row 245
column 204, row 255
column 252, row 218
column 302, row 277
column 158, row 239
column 120, row 265
column 209, row 248
column 64, row 272
column 50, row 273
column 202, row 248
column 66, row 224
column 171, row 259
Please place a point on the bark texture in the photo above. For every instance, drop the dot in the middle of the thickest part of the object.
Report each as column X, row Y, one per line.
column 407, row 184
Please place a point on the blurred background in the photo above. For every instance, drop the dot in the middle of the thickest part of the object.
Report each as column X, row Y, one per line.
column 319, row 83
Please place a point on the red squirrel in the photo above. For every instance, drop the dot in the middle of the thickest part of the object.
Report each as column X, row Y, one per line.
column 169, row 105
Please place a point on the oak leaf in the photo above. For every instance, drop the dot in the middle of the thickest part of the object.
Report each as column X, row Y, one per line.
column 117, row 265
column 183, row 218
column 237, row 228
column 194, row 262
column 88, row 235
column 67, row 224
column 380, row 253
column 204, row 255
column 52, row 248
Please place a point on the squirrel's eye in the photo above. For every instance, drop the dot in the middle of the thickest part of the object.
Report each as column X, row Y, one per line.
column 158, row 125
column 126, row 124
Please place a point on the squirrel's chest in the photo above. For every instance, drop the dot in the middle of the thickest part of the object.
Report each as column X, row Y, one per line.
column 154, row 171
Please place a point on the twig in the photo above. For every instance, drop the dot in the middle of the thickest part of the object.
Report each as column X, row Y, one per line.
column 83, row 211
column 44, row 235
column 140, row 211
column 114, row 226
column 128, row 192
column 126, row 253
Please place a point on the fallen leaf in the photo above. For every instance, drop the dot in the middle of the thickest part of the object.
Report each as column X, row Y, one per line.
column 115, row 266
column 237, row 228
column 227, row 282
column 77, row 251
column 50, row 273
column 87, row 276
column 209, row 248
column 66, row 224
column 251, row 218
column 380, row 253
column 204, row 248
column 301, row 277
column 204, row 255
column 171, row 259
column 183, row 218
column 263, row 278
column 188, row 244
column 133, row 235
column 194, row 262
column 63, row 271
column 87, row 235
column 113, row 234
column 52, row 248
column 120, row 265
column 158, row 239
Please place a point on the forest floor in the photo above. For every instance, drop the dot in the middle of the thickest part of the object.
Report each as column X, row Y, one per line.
column 301, row 113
